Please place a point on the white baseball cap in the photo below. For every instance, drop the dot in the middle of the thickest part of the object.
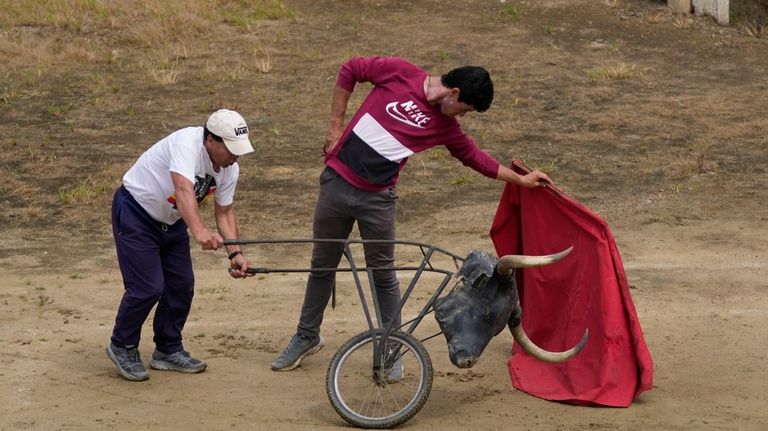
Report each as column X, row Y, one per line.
column 230, row 126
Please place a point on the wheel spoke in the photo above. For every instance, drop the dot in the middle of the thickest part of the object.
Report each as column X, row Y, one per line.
column 360, row 399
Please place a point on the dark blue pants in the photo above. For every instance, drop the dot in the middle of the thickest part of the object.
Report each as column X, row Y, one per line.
column 156, row 265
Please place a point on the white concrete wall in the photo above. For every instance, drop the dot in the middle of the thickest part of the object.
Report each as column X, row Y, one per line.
column 715, row 8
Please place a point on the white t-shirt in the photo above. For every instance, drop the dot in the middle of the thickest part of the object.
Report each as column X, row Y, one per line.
column 149, row 179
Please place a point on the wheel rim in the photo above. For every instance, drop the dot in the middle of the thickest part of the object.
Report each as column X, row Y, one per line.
column 360, row 393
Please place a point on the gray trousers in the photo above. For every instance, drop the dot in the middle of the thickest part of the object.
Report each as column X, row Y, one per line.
column 339, row 205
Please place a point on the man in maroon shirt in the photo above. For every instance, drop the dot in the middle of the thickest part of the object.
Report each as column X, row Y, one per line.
column 407, row 111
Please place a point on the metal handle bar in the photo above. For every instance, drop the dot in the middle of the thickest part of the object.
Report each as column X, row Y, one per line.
column 426, row 250
column 341, row 241
column 263, row 270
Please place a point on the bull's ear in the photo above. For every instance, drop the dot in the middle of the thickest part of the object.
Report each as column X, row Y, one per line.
column 478, row 268
column 480, row 282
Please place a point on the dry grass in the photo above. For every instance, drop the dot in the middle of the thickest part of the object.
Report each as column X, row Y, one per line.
column 165, row 74
column 682, row 167
column 682, row 22
column 655, row 18
column 176, row 17
column 154, row 35
column 263, row 59
column 754, row 29
column 40, row 159
column 27, row 213
column 618, row 71
column 9, row 91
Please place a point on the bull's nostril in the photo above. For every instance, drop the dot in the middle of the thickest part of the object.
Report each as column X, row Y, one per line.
column 463, row 360
column 465, row 364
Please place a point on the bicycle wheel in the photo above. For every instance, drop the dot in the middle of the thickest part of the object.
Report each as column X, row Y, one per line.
column 370, row 398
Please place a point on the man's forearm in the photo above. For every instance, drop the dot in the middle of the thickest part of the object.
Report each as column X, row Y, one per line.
column 508, row 175
column 339, row 106
column 227, row 226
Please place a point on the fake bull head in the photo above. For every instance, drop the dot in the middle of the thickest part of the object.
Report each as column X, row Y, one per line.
column 486, row 300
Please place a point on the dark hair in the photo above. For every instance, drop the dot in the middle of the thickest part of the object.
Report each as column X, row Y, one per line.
column 474, row 84
column 207, row 132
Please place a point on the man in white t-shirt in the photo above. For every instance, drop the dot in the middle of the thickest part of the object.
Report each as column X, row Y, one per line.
column 151, row 213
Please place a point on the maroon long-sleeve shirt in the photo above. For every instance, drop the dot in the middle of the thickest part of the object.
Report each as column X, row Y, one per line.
column 393, row 122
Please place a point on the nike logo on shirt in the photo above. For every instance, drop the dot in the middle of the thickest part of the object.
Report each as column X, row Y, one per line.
column 408, row 113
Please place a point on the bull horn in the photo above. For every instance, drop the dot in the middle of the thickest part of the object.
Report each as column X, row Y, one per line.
column 537, row 352
column 511, row 261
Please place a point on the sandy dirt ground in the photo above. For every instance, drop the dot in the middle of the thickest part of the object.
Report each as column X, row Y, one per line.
column 654, row 120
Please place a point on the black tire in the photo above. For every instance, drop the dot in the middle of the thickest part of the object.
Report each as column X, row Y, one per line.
column 369, row 401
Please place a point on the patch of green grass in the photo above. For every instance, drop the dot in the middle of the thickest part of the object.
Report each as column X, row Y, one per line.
column 247, row 13
column 59, row 109
column 79, row 193
column 83, row 192
column 511, row 11
column 438, row 153
column 548, row 167
column 463, row 178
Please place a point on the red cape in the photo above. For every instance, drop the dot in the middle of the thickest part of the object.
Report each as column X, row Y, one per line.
column 587, row 289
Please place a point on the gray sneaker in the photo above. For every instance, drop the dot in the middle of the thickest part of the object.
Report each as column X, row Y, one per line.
column 394, row 367
column 128, row 361
column 300, row 346
column 180, row 361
